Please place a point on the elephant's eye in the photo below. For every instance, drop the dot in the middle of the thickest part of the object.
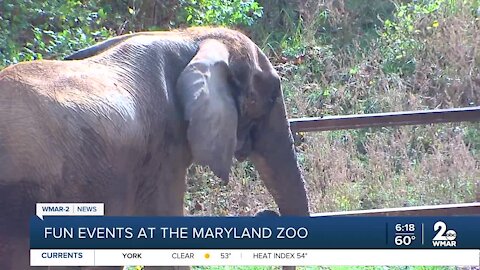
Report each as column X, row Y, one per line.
column 273, row 98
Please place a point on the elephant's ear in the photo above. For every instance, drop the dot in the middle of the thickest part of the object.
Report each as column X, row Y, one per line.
column 205, row 93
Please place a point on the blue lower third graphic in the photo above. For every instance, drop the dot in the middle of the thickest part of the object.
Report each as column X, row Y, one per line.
column 102, row 232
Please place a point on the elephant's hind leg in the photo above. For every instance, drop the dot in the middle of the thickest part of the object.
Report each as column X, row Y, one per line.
column 15, row 253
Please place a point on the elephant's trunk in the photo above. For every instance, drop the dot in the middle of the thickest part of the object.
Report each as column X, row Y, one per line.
column 275, row 159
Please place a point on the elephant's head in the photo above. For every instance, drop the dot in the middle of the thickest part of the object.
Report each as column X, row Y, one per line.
column 232, row 99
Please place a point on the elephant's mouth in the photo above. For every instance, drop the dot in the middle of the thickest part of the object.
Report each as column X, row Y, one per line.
column 245, row 142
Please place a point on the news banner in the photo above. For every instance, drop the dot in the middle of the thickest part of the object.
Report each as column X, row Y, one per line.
column 65, row 234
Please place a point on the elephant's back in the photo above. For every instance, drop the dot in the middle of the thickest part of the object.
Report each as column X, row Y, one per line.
column 67, row 101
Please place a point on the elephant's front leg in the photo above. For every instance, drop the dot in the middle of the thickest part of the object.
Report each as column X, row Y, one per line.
column 100, row 268
column 163, row 196
column 163, row 183
column 169, row 202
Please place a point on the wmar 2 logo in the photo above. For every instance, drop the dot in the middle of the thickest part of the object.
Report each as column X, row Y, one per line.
column 444, row 238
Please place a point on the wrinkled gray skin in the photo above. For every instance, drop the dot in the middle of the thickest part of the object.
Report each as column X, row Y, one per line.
column 123, row 120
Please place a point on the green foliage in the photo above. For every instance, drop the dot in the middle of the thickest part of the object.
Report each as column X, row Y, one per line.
column 223, row 13
column 48, row 29
column 52, row 29
column 400, row 44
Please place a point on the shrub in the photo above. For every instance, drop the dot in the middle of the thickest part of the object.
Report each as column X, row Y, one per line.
column 403, row 38
column 218, row 12
column 48, row 29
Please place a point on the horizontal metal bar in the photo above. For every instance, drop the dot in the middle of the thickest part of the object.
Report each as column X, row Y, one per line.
column 385, row 119
column 432, row 210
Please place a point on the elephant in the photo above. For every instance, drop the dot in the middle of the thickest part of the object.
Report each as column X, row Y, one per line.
column 121, row 121
column 267, row 213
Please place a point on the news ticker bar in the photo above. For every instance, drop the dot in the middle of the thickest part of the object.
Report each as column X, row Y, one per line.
column 112, row 257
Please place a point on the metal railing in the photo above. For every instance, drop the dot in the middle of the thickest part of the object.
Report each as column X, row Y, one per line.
column 326, row 123
column 469, row 114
